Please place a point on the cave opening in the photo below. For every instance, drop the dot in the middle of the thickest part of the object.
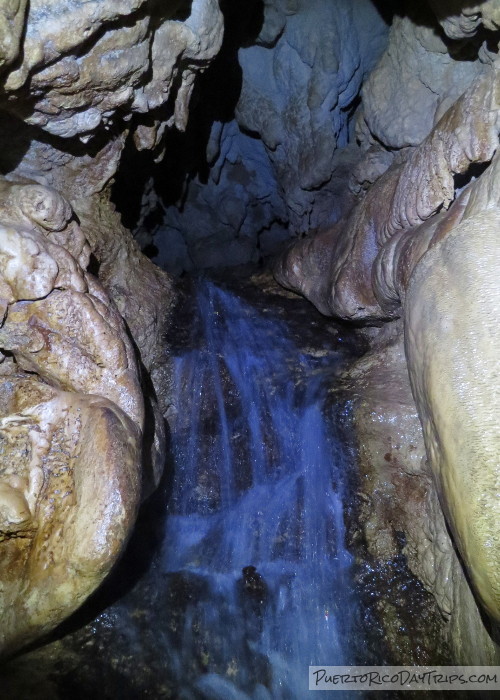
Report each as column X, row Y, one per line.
column 237, row 186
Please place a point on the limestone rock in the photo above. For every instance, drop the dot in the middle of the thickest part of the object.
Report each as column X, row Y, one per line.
column 276, row 169
column 127, row 54
column 11, row 28
column 461, row 22
column 404, row 244
column 142, row 292
column 72, row 415
column 298, row 97
column 419, row 76
column 397, row 495
column 451, row 350
column 144, row 296
column 83, row 435
column 334, row 268
column 69, row 490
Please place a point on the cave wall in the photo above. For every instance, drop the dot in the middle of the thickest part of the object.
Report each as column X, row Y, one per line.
column 364, row 124
column 417, row 257
column 83, row 313
column 274, row 157
column 379, row 127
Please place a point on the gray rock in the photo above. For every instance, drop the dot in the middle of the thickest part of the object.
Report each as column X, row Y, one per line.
column 280, row 167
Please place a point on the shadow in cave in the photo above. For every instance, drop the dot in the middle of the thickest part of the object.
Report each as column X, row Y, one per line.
column 17, row 137
column 457, row 6
column 215, row 95
column 423, row 11
column 387, row 9
column 15, row 141
column 430, row 15
column 214, row 99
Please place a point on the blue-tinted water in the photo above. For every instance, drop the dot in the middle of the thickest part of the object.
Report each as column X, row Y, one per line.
column 255, row 551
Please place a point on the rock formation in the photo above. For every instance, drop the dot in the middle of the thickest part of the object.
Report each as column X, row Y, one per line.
column 421, row 246
column 275, row 166
column 383, row 139
column 83, row 383
column 72, row 417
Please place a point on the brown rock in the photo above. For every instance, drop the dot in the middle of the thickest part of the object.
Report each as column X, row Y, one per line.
column 69, row 490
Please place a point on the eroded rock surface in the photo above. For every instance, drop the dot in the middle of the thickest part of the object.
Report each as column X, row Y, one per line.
column 83, row 380
column 400, row 516
column 69, row 490
column 421, row 246
column 406, row 195
column 419, row 74
column 274, row 170
column 72, row 415
column 83, row 376
column 452, row 353
column 129, row 55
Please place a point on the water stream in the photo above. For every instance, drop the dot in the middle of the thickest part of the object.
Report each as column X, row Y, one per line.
column 237, row 576
column 254, row 554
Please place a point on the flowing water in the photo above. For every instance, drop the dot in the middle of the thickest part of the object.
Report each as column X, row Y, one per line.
column 255, row 555
column 237, row 576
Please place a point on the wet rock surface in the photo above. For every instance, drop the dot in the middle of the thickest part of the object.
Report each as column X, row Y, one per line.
column 125, row 55
column 72, row 414
column 121, row 637
column 82, row 311
column 121, row 640
column 398, row 240
column 301, row 133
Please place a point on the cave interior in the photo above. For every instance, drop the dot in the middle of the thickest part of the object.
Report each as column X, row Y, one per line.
column 317, row 179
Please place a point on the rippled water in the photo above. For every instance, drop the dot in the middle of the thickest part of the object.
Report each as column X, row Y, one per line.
column 236, row 577
column 255, row 556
